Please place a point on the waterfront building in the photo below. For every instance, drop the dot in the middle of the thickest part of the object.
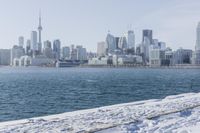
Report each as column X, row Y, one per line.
column 56, row 49
column 41, row 60
column 169, row 57
column 65, row 52
column 16, row 53
column 5, row 57
column 127, row 60
column 23, row 61
column 156, row 57
column 102, row 61
column 21, row 41
column 111, row 43
column 182, row 56
column 91, row 55
column 101, row 49
column 81, row 53
column 73, row 53
column 16, row 62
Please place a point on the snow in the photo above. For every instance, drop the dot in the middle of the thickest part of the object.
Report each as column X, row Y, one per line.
column 178, row 113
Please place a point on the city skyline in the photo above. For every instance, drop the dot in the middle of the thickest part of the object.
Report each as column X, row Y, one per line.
column 88, row 28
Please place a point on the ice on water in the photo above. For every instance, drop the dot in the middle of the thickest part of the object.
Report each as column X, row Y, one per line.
column 178, row 113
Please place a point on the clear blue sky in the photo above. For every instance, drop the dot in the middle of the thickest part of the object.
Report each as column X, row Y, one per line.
column 85, row 22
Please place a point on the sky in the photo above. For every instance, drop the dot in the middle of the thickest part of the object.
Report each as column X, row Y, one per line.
column 86, row 22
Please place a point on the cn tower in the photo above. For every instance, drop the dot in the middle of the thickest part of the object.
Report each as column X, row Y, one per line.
column 40, row 38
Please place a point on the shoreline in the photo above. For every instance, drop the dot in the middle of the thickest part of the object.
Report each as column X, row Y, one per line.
column 102, row 118
column 144, row 67
column 112, row 66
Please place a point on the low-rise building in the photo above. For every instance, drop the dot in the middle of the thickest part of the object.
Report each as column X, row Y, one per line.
column 182, row 56
column 127, row 60
column 98, row 61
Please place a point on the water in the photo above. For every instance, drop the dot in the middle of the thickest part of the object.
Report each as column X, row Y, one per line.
column 31, row 92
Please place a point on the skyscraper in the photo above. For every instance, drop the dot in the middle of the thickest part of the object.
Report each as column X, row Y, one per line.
column 117, row 42
column 47, row 44
column 73, row 53
column 56, row 48
column 47, row 51
column 21, row 41
column 5, row 56
column 111, row 43
column 33, row 41
column 197, row 47
column 81, row 53
column 122, row 43
column 40, row 36
column 28, row 47
column 101, row 48
column 65, row 52
column 147, row 34
column 130, row 39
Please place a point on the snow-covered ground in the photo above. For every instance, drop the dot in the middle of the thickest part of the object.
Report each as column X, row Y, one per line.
column 179, row 113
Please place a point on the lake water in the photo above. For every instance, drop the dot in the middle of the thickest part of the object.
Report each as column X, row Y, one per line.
column 31, row 92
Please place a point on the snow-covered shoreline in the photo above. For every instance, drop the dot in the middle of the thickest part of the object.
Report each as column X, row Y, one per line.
column 104, row 119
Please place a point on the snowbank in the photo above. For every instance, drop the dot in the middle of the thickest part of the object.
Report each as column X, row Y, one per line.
column 174, row 113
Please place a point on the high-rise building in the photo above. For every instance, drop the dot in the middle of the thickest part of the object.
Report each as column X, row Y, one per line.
column 101, row 48
column 65, row 52
column 21, row 41
column 56, row 48
column 130, row 39
column 156, row 57
column 147, row 34
column 81, row 53
column 28, row 47
column 111, row 43
column 47, row 44
column 47, row 51
column 117, row 42
column 16, row 52
column 197, row 47
column 5, row 57
column 73, row 53
column 196, row 55
column 122, row 43
column 39, row 48
column 33, row 41
column 162, row 45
